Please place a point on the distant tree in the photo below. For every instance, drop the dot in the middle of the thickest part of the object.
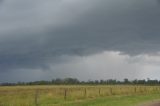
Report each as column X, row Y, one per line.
column 141, row 82
column 126, row 81
column 71, row 81
column 96, row 82
column 111, row 81
column 102, row 82
column 135, row 81
column 66, row 81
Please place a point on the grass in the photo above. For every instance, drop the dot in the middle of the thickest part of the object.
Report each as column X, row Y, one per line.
column 77, row 95
column 117, row 100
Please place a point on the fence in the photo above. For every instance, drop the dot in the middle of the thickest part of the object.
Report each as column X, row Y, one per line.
column 37, row 95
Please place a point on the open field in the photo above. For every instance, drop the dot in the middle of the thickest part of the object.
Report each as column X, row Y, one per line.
column 77, row 95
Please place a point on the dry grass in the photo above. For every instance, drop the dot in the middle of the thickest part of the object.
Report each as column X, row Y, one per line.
column 35, row 95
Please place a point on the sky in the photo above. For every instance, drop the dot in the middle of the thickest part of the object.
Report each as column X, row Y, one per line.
column 84, row 39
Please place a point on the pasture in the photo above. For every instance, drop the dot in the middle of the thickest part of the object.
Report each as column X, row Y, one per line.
column 77, row 95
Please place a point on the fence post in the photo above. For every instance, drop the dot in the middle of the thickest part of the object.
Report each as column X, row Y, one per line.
column 65, row 94
column 85, row 92
column 99, row 91
column 111, row 91
column 36, row 97
column 135, row 90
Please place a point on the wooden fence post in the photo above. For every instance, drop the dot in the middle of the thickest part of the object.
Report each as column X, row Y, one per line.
column 135, row 90
column 65, row 94
column 36, row 97
column 99, row 91
column 85, row 92
column 111, row 91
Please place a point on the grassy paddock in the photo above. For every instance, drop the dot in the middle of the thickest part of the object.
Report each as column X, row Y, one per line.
column 69, row 95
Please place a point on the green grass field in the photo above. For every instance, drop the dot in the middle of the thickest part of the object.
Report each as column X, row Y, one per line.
column 77, row 95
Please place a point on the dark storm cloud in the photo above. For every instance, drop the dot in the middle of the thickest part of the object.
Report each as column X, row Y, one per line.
column 1, row 1
column 36, row 33
column 158, row 1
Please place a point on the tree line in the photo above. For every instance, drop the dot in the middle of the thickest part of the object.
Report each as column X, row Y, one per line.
column 75, row 81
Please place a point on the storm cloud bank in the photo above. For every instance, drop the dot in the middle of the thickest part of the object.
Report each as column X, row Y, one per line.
column 42, row 35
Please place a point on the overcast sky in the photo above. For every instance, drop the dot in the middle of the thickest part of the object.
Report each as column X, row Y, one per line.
column 84, row 39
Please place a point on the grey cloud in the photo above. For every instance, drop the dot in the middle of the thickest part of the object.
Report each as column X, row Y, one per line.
column 158, row 1
column 36, row 33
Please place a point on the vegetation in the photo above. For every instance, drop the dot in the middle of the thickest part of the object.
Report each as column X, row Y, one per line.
column 77, row 95
column 74, row 81
column 72, row 92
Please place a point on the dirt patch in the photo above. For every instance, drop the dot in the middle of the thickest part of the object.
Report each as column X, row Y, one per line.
column 151, row 103
column 154, row 104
